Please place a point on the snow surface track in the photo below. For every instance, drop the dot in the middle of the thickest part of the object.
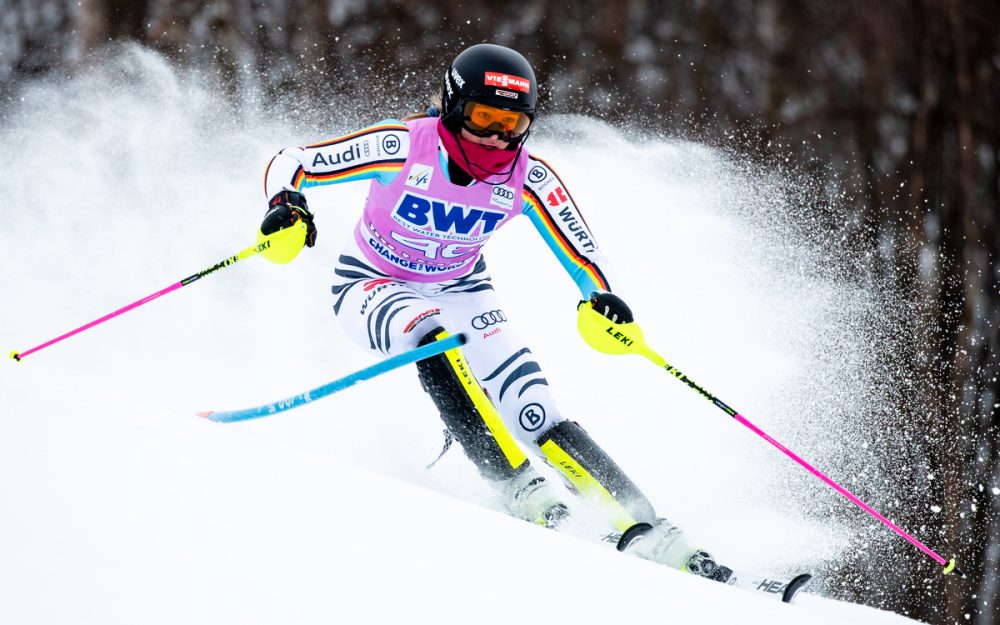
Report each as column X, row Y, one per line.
column 120, row 507
column 155, row 518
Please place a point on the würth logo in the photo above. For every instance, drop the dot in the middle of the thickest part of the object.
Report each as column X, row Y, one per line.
column 496, row 79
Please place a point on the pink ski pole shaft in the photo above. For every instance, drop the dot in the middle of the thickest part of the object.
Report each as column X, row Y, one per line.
column 949, row 565
column 246, row 253
column 627, row 338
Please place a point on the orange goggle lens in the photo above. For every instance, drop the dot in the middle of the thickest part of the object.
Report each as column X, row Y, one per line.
column 485, row 119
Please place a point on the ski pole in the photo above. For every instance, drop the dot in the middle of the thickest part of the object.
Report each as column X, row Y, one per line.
column 627, row 338
column 266, row 410
column 264, row 244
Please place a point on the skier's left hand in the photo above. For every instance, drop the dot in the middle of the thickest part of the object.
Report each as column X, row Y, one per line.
column 284, row 210
column 611, row 306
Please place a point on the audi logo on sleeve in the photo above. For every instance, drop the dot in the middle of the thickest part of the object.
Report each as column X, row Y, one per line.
column 487, row 319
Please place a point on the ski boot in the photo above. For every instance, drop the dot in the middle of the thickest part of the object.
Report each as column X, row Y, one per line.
column 530, row 497
column 664, row 543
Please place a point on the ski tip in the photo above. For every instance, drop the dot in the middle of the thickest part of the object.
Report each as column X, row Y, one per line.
column 206, row 415
column 15, row 355
column 795, row 586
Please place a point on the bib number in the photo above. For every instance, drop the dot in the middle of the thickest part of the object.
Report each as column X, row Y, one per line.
column 433, row 249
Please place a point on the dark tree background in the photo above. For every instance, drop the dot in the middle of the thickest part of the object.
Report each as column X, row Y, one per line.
column 895, row 103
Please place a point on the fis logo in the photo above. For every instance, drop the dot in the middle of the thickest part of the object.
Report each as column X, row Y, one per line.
column 420, row 176
column 419, row 212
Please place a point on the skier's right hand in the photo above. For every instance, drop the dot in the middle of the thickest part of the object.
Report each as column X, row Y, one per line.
column 606, row 324
column 611, row 306
column 285, row 209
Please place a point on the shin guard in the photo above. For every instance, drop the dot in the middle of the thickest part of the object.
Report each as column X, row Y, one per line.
column 594, row 475
column 469, row 414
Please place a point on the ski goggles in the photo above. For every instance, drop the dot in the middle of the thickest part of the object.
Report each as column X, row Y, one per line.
column 484, row 120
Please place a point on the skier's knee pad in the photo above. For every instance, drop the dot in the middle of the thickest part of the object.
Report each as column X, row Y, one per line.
column 468, row 413
column 593, row 474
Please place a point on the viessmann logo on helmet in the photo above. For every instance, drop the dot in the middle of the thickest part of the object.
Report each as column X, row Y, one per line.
column 496, row 79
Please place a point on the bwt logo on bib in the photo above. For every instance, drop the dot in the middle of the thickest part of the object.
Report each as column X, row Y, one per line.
column 435, row 215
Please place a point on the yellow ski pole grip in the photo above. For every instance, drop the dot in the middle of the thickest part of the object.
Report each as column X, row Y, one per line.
column 283, row 246
column 609, row 337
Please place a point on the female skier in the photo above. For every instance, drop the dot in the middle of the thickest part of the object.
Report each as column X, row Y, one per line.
column 413, row 273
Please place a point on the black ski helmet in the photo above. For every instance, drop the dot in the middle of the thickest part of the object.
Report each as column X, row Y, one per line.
column 489, row 74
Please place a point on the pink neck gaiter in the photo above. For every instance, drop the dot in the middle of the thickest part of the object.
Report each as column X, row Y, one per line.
column 485, row 161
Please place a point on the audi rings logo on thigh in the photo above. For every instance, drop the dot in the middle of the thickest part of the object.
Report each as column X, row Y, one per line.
column 532, row 417
column 488, row 319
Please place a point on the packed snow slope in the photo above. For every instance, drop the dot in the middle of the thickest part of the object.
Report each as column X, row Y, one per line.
column 120, row 506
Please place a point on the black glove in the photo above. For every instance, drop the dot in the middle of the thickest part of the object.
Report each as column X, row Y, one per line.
column 284, row 210
column 611, row 306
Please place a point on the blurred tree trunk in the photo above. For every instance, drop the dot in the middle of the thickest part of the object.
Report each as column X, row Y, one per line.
column 126, row 19
column 93, row 24
column 101, row 20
